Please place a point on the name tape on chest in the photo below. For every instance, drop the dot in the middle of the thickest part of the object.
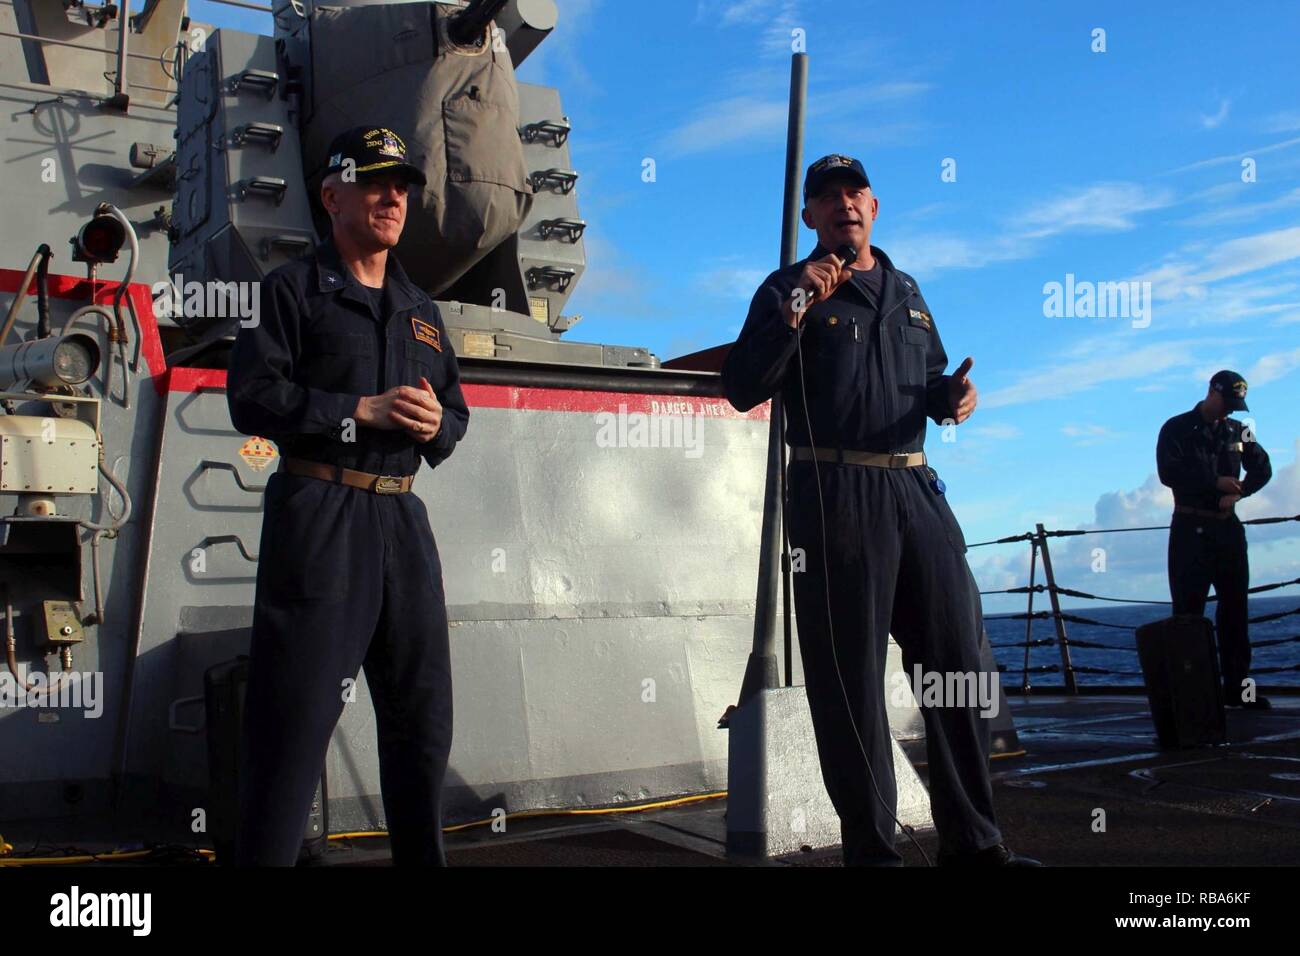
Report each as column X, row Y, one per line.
column 426, row 332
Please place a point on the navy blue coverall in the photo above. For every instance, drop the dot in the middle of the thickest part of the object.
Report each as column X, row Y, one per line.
column 895, row 555
column 346, row 577
column 1191, row 455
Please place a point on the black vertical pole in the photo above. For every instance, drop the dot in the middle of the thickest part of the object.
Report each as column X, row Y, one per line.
column 761, row 670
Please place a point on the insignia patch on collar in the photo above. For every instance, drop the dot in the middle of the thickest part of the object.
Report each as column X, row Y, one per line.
column 426, row 332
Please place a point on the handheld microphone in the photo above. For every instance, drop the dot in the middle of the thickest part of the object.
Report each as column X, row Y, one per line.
column 845, row 254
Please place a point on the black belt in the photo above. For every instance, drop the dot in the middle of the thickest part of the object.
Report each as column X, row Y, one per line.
column 1201, row 512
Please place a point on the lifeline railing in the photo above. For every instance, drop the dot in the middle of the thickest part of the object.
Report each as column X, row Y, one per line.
column 121, row 84
column 1038, row 543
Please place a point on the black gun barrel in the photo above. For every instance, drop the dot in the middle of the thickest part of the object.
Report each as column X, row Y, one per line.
column 466, row 27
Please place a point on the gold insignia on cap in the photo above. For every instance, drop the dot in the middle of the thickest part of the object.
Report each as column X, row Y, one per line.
column 835, row 159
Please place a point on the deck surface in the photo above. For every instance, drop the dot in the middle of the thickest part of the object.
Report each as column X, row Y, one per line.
column 1232, row 805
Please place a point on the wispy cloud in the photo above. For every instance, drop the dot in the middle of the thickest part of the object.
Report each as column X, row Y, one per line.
column 1091, row 363
column 1215, row 120
column 1287, row 121
column 1184, row 275
column 1242, row 211
column 728, row 279
column 561, row 52
column 1273, row 367
column 726, row 123
column 747, row 118
column 1085, row 435
column 1105, row 207
column 777, row 18
column 998, row 431
column 1102, row 207
column 1235, row 157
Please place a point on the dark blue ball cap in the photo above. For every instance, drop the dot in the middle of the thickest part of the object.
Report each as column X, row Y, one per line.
column 372, row 149
column 828, row 166
column 1232, row 386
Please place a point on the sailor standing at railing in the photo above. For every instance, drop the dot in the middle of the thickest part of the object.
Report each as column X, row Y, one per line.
column 1200, row 455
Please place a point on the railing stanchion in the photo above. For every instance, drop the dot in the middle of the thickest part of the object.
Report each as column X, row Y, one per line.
column 1071, row 687
column 1029, row 617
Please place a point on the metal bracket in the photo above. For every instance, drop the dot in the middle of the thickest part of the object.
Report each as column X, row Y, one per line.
column 230, row 539
column 559, row 179
column 207, row 464
column 551, row 277
column 264, row 81
column 293, row 242
column 570, row 230
column 267, row 133
column 271, row 186
column 555, row 130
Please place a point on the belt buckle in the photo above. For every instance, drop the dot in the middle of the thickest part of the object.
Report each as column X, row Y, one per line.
column 898, row 459
column 388, row 485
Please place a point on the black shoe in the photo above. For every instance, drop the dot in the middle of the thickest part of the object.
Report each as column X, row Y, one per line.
column 997, row 855
column 1259, row 703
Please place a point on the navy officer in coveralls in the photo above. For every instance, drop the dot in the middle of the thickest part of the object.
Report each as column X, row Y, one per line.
column 349, row 371
column 893, row 559
column 1200, row 455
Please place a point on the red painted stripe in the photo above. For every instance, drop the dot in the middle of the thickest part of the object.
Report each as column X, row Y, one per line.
column 574, row 400
column 74, row 287
column 532, row 399
column 183, row 379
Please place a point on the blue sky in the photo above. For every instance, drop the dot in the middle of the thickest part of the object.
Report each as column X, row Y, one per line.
column 1115, row 166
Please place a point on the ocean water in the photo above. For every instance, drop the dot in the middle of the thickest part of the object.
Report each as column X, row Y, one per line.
column 1116, row 629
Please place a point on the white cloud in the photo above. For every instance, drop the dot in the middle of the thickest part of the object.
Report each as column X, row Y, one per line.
column 1242, row 211
column 1092, row 363
column 1216, row 120
column 749, row 118
column 730, row 280
column 563, row 49
column 999, row 431
column 726, row 122
column 1273, row 367
column 1287, row 121
column 929, row 254
column 1184, row 276
column 1104, row 206
column 1136, row 562
column 1235, row 157
column 1086, row 435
